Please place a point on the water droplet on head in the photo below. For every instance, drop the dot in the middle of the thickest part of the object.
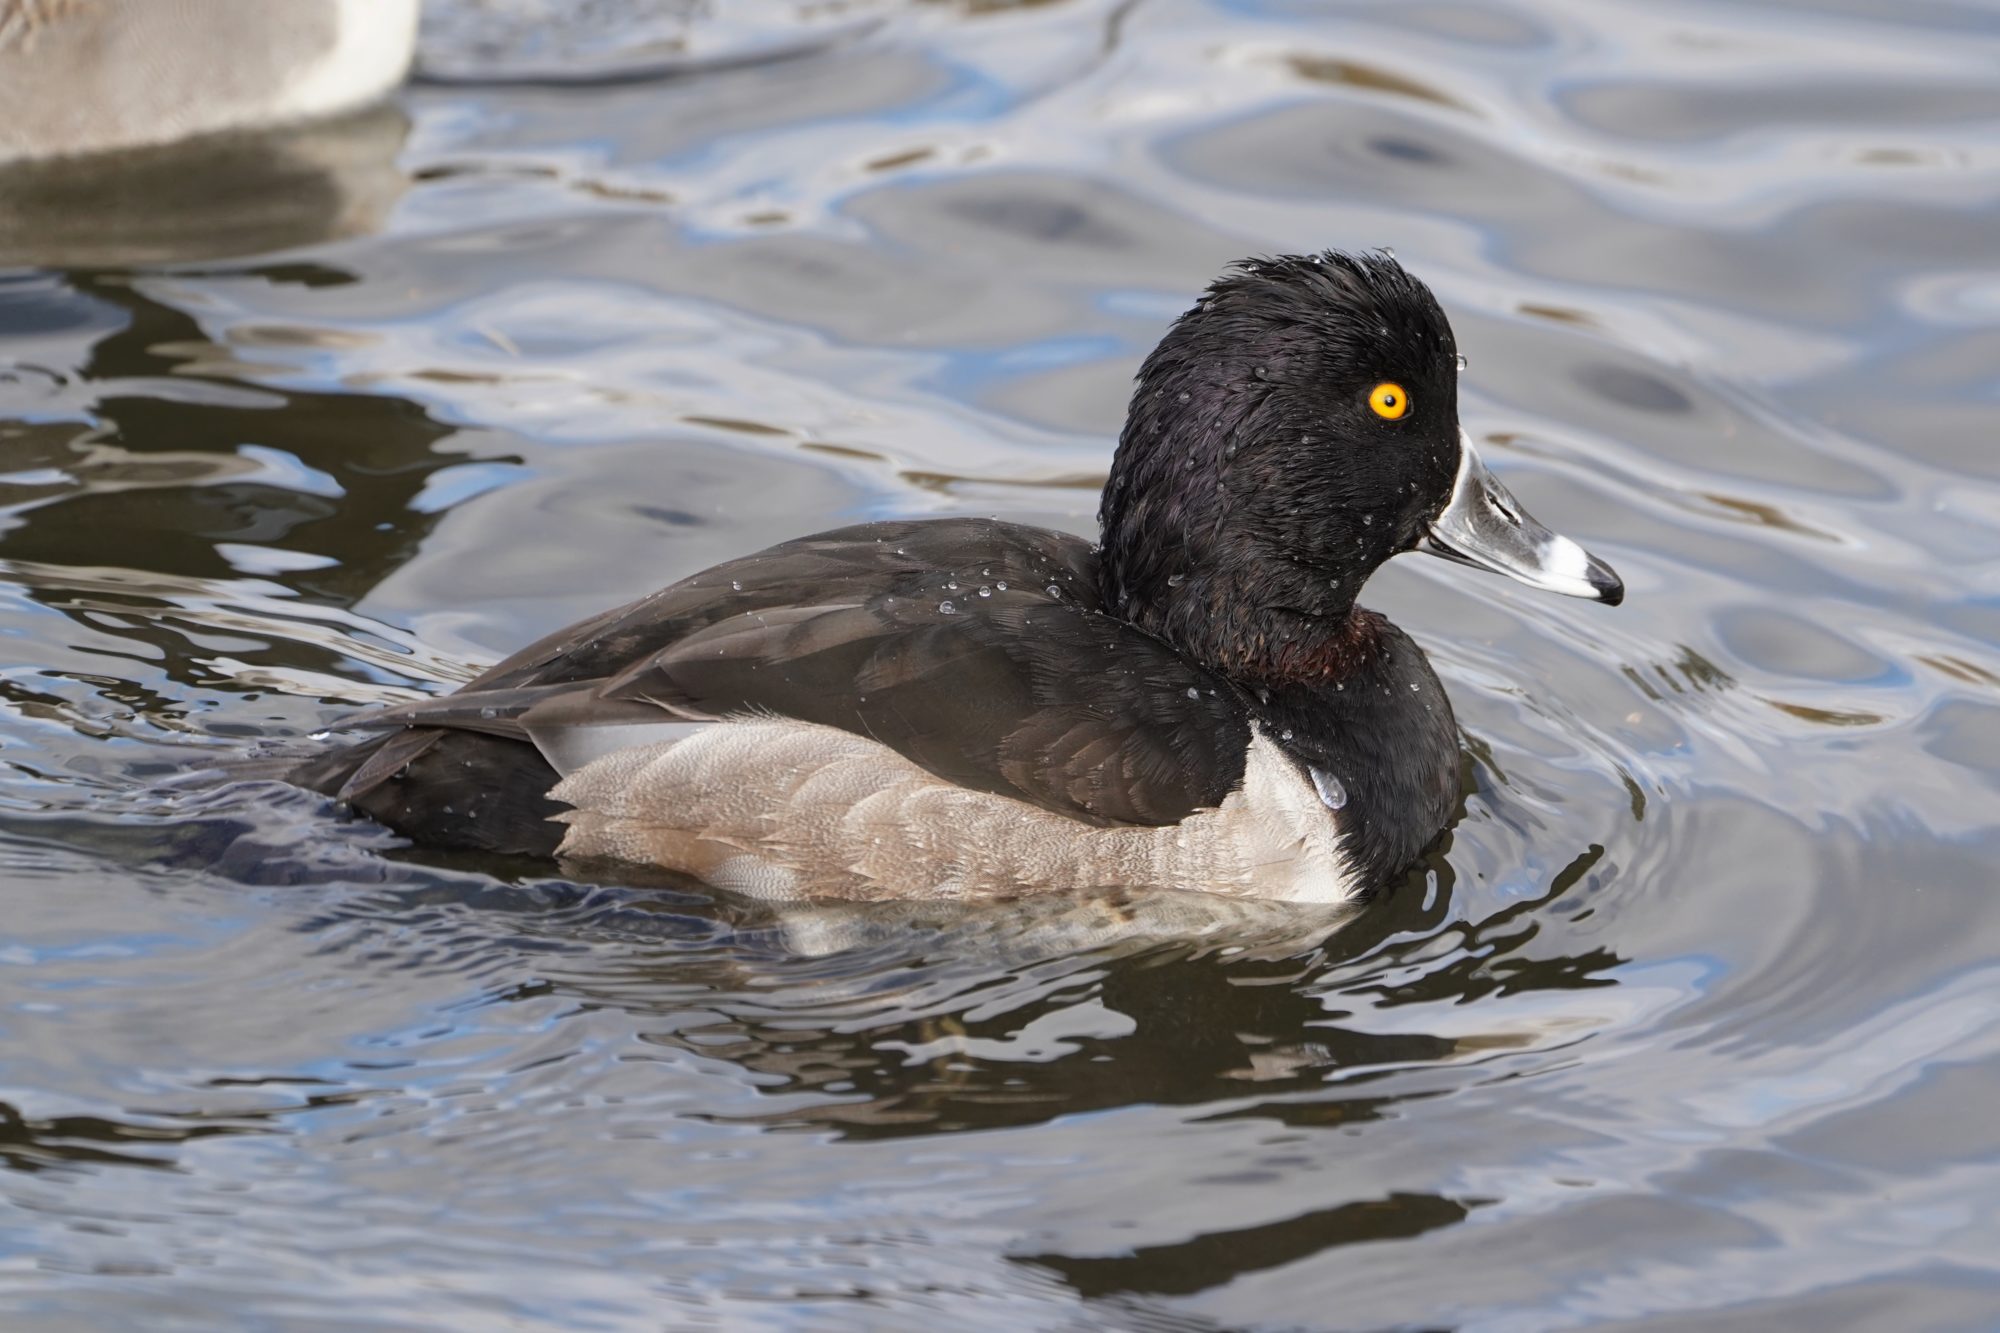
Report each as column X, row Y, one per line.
column 1193, row 693
column 1176, row 580
column 985, row 591
column 1285, row 735
column 1332, row 794
column 1388, row 252
column 1054, row 591
column 736, row 584
column 951, row 585
column 946, row 609
column 1416, row 687
column 1261, row 373
column 1459, row 361
column 1001, row 586
column 1183, row 396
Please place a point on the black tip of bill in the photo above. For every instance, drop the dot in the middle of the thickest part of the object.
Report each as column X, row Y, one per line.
column 1610, row 588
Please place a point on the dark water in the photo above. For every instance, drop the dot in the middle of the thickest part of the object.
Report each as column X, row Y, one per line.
column 1693, row 1022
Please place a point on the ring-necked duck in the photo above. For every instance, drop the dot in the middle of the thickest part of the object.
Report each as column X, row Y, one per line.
column 963, row 707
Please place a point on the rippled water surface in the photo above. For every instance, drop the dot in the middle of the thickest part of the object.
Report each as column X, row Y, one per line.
column 1692, row 1021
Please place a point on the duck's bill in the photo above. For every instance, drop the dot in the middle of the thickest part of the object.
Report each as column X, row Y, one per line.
column 1484, row 526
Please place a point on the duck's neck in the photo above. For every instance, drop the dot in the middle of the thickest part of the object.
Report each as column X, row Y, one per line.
column 1261, row 625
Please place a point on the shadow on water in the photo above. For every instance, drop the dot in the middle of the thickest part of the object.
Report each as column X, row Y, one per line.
column 76, row 1142
column 1215, row 1259
column 156, row 481
column 210, row 534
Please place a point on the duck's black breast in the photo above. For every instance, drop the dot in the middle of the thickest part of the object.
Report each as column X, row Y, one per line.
column 1379, row 740
column 977, row 649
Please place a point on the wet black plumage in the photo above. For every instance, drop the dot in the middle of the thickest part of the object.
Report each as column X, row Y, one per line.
column 1254, row 491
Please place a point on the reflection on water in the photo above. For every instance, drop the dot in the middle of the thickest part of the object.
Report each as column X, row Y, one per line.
column 231, row 195
column 1692, row 1018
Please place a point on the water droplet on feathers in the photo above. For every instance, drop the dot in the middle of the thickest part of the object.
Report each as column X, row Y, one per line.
column 1332, row 794
column 946, row 609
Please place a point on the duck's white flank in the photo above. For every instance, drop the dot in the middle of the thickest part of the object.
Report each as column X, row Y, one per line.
column 788, row 810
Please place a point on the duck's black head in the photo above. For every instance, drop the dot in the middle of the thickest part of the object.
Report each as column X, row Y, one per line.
column 1295, row 429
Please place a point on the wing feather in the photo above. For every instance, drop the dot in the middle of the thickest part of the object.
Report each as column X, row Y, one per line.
column 1018, row 690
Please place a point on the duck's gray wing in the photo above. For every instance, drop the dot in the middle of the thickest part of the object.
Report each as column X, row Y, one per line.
column 845, row 565
column 943, row 641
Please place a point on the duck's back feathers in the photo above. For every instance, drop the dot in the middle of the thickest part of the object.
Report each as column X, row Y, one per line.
column 972, row 648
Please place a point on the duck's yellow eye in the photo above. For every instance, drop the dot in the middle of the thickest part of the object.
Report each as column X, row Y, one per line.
column 1388, row 400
